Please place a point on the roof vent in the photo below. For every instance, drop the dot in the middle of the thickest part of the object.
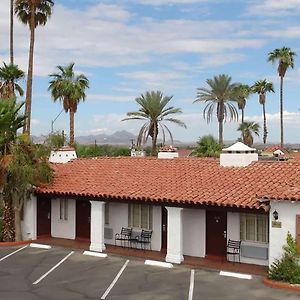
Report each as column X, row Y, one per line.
column 167, row 152
column 62, row 155
column 238, row 155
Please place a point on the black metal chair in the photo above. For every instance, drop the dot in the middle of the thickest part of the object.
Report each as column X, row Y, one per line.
column 144, row 239
column 234, row 249
column 124, row 236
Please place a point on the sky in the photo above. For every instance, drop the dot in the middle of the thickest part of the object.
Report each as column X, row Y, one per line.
column 128, row 47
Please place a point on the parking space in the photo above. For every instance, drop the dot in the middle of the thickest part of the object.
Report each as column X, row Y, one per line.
column 58, row 273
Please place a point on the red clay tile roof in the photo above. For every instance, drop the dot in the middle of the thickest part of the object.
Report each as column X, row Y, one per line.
column 178, row 181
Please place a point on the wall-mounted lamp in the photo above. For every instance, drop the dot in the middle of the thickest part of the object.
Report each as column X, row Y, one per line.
column 275, row 215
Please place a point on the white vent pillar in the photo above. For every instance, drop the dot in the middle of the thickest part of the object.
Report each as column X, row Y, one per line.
column 97, row 226
column 174, row 247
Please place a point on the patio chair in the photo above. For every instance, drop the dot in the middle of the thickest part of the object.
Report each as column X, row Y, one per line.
column 234, row 249
column 124, row 236
column 144, row 239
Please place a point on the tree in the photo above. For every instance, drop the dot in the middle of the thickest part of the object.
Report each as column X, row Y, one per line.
column 68, row 88
column 242, row 92
column 10, row 121
column 153, row 109
column 285, row 57
column 9, row 75
column 218, row 96
column 32, row 13
column 27, row 167
column 247, row 130
column 207, row 146
column 11, row 34
column 261, row 87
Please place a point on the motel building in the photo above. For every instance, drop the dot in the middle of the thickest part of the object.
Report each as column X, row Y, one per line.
column 192, row 206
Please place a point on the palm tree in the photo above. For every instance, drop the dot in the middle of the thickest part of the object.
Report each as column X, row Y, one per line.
column 68, row 88
column 218, row 96
column 9, row 75
column 247, row 130
column 285, row 56
column 11, row 35
column 207, row 146
column 261, row 87
column 153, row 109
column 32, row 13
column 242, row 91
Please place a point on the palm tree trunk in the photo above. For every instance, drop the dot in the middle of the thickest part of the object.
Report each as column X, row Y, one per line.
column 281, row 112
column 220, row 111
column 8, row 221
column 265, row 124
column 243, row 115
column 28, row 100
column 154, row 140
column 18, row 231
column 72, row 120
column 11, row 48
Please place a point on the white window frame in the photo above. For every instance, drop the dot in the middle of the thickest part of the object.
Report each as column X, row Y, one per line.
column 63, row 209
column 243, row 235
column 149, row 220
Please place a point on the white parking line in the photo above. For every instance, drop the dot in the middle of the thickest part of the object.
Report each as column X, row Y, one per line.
column 41, row 246
column 96, row 254
column 191, row 290
column 53, row 268
column 115, row 280
column 158, row 264
column 8, row 255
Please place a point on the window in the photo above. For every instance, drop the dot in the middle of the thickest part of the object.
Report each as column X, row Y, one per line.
column 254, row 228
column 106, row 213
column 63, row 209
column 140, row 216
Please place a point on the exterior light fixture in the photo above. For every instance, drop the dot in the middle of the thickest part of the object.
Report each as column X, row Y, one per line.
column 275, row 215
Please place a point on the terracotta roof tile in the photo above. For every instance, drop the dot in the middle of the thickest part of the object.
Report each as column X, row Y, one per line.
column 180, row 180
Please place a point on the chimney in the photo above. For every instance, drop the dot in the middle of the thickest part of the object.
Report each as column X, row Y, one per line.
column 62, row 155
column 238, row 155
column 167, row 152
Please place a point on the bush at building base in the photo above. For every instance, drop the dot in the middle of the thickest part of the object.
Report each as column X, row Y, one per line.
column 287, row 268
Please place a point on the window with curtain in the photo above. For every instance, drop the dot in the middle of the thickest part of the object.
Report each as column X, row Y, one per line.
column 63, row 209
column 140, row 216
column 254, row 228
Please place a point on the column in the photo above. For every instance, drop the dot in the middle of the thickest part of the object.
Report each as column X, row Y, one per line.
column 97, row 226
column 174, row 247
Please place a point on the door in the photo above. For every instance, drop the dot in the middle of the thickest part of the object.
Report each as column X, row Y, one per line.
column 216, row 233
column 83, row 219
column 298, row 230
column 164, row 229
column 43, row 217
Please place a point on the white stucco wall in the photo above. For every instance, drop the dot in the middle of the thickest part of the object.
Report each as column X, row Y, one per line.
column 287, row 212
column 63, row 228
column 29, row 223
column 233, row 233
column 194, row 224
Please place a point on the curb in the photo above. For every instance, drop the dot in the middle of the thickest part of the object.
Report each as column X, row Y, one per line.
column 281, row 285
column 5, row 244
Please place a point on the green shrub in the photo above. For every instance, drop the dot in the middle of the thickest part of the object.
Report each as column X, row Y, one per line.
column 287, row 268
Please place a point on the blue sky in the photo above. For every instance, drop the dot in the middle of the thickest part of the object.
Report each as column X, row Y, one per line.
column 126, row 47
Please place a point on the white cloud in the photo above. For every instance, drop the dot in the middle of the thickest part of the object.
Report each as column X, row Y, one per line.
column 110, row 98
column 274, row 8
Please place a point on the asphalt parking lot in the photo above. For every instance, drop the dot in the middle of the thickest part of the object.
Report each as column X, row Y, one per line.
column 31, row 273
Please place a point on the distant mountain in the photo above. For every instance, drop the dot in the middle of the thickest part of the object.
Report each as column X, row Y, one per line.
column 119, row 137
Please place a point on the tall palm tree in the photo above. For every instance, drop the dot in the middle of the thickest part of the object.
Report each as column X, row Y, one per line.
column 32, row 13
column 242, row 91
column 261, row 87
column 68, row 88
column 219, row 96
column 247, row 130
column 153, row 109
column 9, row 75
column 285, row 57
column 11, row 35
